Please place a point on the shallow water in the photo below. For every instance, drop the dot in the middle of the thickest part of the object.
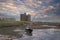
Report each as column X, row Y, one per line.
column 43, row 34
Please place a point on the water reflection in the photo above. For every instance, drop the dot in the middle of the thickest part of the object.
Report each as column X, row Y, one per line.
column 47, row 34
column 29, row 34
column 43, row 34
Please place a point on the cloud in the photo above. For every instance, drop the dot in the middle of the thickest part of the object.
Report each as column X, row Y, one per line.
column 3, row 0
column 44, row 10
column 37, row 8
column 31, row 12
column 9, row 6
column 22, row 7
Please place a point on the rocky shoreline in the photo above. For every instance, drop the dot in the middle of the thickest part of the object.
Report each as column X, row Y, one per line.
column 6, row 37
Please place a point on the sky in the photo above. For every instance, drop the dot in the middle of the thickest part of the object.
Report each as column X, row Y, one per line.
column 40, row 10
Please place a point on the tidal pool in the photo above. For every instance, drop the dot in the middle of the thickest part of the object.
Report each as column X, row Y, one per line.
column 42, row 34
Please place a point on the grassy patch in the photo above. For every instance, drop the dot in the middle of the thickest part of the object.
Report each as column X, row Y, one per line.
column 9, row 31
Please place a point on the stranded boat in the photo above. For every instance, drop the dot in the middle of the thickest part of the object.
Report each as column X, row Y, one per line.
column 28, row 31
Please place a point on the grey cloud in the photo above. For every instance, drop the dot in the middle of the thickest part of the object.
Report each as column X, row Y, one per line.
column 3, row 0
column 36, row 5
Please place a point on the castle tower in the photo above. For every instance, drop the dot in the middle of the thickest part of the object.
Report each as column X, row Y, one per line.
column 24, row 17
